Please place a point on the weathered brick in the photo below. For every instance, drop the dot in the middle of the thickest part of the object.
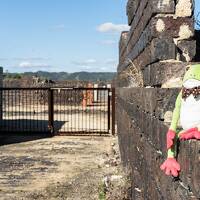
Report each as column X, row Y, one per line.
column 131, row 8
column 159, row 73
column 145, row 12
column 184, row 8
column 187, row 50
column 1, row 85
column 158, row 49
column 122, row 47
column 162, row 27
column 197, row 38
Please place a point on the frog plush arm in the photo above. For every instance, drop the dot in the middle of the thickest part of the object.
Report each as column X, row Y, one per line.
column 171, row 166
column 172, row 133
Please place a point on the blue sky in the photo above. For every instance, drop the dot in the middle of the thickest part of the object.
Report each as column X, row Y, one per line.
column 61, row 35
column 197, row 10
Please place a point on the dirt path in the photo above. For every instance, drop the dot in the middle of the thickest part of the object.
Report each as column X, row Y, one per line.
column 69, row 168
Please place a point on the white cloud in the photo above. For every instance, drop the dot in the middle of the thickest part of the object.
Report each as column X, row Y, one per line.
column 30, row 59
column 27, row 64
column 111, row 62
column 90, row 61
column 93, row 65
column 25, row 59
column 86, row 67
column 112, row 28
column 103, row 69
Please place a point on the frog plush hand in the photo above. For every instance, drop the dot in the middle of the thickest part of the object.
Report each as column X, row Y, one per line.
column 187, row 109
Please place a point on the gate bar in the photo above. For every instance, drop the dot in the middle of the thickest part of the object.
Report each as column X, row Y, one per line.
column 109, row 107
column 51, row 110
column 113, row 111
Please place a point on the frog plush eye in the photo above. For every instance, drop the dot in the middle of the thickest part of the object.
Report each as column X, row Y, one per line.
column 188, row 67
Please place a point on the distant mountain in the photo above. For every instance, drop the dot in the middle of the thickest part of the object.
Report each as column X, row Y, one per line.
column 61, row 76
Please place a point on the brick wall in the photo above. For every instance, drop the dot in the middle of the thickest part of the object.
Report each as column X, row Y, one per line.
column 161, row 33
column 1, row 85
column 142, row 124
column 1, row 76
column 152, row 60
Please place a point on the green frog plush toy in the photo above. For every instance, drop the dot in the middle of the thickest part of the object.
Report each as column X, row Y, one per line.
column 187, row 110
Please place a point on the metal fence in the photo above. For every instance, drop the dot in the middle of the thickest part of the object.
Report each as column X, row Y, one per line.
column 24, row 110
column 57, row 110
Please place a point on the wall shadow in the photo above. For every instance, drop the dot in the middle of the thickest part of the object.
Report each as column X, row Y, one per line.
column 197, row 38
column 18, row 131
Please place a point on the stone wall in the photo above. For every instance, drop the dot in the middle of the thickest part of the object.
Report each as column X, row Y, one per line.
column 143, row 120
column 152, row 60
column 1, row 77
column 161, row 33
column 1, row 85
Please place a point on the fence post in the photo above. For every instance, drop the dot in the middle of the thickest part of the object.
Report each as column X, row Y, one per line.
column 51, row 111
column 1, row 94
column 113, row 111
column 109, row 109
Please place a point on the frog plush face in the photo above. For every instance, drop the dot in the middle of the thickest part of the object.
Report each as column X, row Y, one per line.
column 191, row 83
column 192, row 76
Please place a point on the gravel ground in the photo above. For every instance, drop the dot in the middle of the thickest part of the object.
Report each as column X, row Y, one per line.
column 70, row 168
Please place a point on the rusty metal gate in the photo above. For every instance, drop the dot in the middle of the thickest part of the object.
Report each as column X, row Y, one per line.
column 58, row 111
